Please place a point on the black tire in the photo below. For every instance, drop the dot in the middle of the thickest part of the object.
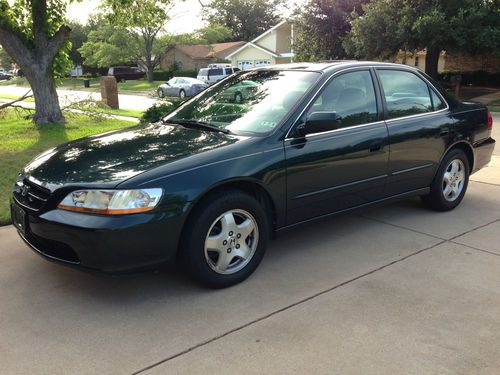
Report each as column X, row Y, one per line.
column 160, row 92
column 200, row 222
column 436, row 199
column 182, row 94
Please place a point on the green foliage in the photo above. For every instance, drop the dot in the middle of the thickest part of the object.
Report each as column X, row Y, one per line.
column 246, row 19
column 213, row 33
column 387, row 26
column 157, row 112
column 160, row 75
column 320, row 27
column 6, row 61
column 108, row 45
column 17, row 16
column 78, row 36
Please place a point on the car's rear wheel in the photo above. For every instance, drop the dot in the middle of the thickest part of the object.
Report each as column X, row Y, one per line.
column 225, row 239
column 450, row 183
column 160, row 92
column 182, row 94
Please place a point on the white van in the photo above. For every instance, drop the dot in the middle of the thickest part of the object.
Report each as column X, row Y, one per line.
column 214, row 73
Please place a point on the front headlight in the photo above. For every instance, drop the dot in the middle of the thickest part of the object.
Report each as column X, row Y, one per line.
column 111, row 202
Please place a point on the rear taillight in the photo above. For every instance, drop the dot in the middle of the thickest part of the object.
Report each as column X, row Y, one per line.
column 490, row 121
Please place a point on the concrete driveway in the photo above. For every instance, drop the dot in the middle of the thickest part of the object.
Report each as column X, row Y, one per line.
column 397, row 289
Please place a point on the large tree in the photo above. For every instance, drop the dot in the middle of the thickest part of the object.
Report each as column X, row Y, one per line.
column 246, row 19
column 34, row 34
column 389, row 26
column 145, row 20
column 320, row 27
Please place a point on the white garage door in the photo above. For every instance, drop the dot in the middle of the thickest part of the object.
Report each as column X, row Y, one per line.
column 245, row 64
column 262, row 62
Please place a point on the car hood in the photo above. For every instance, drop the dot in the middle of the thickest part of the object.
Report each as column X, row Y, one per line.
column 113, row 157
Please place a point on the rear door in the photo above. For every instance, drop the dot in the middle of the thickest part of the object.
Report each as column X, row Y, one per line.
column 418, row 121
column 343, row 167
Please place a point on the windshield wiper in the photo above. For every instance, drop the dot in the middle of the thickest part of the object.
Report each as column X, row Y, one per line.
column 199, row 124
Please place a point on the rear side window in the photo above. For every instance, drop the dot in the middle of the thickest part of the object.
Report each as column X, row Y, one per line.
column 351, row 96
column 229, row 71
column 405, row 93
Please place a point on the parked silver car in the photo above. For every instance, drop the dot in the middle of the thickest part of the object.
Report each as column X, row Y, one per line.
column 181, row 87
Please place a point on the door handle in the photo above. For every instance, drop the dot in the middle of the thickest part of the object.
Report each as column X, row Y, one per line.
column 444, row 133
column 375, row 146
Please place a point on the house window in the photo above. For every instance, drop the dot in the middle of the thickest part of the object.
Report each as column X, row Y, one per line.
column 416, row 61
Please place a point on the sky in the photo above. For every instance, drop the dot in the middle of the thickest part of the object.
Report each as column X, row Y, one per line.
column 186, row 15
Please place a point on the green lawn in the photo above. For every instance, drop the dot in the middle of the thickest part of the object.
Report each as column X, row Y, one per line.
column 494, row 106
column 22, row 140
column 129, row 87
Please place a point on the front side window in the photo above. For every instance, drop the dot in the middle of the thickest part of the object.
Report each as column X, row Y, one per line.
column 405, row 93
column 351, row 96
column 250, row 103
column 229, row 71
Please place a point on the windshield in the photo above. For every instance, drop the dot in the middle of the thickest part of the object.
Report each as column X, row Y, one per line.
column 249, row 103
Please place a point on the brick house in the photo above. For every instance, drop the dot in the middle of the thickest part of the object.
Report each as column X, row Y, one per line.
column 194, row 57
column 454, row 62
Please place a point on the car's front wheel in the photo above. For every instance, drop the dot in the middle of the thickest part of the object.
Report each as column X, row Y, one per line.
column 225, row 239
column 182, row 94
column 160, row 92
column 450, row 183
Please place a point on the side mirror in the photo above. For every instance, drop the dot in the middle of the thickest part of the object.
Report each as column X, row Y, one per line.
column 319, row 122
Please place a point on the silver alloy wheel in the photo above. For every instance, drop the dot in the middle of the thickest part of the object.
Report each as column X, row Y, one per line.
column 161, row 94
column 453, row 180
column 231, row 241
column 182, row 94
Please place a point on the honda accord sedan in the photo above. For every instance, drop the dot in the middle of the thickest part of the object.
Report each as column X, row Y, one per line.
column 215, row 179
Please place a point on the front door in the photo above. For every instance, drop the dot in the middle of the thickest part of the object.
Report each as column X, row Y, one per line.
column 343, row 167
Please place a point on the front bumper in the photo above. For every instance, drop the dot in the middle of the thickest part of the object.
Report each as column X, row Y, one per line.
column 101, row 243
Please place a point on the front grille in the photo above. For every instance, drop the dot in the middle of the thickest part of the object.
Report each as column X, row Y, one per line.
column 30, row 195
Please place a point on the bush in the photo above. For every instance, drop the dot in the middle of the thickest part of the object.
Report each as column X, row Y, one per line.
column 160, row 75
column 157, row 112
column 185, row 73
column 476, row 78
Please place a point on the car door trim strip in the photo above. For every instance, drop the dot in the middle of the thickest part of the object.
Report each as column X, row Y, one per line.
column 305, row 195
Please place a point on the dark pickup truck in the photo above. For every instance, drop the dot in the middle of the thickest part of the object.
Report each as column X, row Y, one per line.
column 124, row 73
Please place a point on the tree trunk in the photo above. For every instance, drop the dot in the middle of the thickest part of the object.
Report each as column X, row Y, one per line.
column 431, row 61
column 47, row 108
column 149, row 73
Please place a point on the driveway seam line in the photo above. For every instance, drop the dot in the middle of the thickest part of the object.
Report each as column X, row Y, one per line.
column 285, row 308
column 403, row 227
column 472, row 230
column 486, row 183
column 476, row 248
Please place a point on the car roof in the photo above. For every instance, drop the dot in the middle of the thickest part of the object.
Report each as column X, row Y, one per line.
column 329, row 65
column 191, row 79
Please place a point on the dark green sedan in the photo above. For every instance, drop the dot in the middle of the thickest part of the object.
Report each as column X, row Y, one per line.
column 212, row 182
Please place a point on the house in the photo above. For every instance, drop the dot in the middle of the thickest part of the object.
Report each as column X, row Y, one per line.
column 272, row 47
column 452, row 62
column 194, row 57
